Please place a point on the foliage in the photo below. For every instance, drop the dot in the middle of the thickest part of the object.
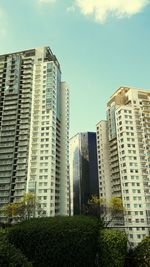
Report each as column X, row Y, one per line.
column 58, row 241
column 106, row 211
column 116, row 204
column 24, row 209
column 112, row 246
column 9, row 255
column 141, row 253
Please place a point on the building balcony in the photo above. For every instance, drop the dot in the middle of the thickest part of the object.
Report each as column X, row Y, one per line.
column 4, row 187
column 25, row 111
column 22, row 131
column 22, row 149
column 11, row 133
column 20, row 174
column 22, row 155
column 6, row 156
column 19, row 186
column 4, row 175
column 5, row 162
column 5, row 139
column 20, row 180
column 4, row 194
column 4, row 181
column 4, row 201
column 24, row 126
column 6, row 168
column 6, row 151
column 23, row 138
column 19, row 194
column 13, row 107
column 8, row 123
column 7, row 145
column 21, row 167
column 25, row 106
column 10, row 128
column 9, row 102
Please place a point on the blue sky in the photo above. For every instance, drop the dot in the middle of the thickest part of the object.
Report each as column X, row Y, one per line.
column 100, row 44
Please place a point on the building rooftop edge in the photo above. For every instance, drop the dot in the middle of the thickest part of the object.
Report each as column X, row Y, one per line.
column 81, row 133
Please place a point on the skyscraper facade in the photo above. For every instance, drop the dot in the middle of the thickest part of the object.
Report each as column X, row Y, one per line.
column 128, row 163
column 34, row 130
column 83, row 170
column 103, row 160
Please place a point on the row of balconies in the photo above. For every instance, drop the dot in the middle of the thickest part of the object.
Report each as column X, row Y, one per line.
column 9, row 128
column 7, row 113
column 22, row 155
column 4, row 181
column 20, row 180
column 5, row 162
column 5, row 156
column 25, row 110
column 21, row 167
column 4, row 201
column 4, row 187
column 4, row 193
column 8, row 118
column 4, row 148
column 19, row 186
column 8, row 102
column 23, row 138
column 10, row 133
column 7, row 123
column 5, row 139
column 22, row 149
column 21, row 161
column 20, row 174
column 23, row 143
column 24, row 126
column 19, row 193
column 7, row 145
column 13, row 107
column 4, row 174
column 13, row 97
column 5, row 168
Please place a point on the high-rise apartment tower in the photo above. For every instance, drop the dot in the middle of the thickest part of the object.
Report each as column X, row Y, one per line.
column 34, row 130
column 124, row 157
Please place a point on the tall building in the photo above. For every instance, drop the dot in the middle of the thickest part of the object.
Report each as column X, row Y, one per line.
column 83, row 170
column 127, row 164
column 103, row 161
column 34, row 130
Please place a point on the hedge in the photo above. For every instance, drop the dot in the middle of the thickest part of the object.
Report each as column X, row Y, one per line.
column 59, row 241
column 112, row 245
column 10, row 256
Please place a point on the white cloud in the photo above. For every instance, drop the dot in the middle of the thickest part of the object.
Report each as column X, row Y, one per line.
column 46, row 1
column 101, row 9
column 71, row 8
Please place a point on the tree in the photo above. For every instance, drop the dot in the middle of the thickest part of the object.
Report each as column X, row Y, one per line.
column 142, row 253
column 116, row 208
column 106, row 211
column 25, row 208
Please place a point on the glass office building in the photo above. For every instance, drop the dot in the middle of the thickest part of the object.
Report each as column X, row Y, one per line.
column 83, row 170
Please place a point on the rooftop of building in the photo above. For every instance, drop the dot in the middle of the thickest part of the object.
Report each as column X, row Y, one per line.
column 48, row 54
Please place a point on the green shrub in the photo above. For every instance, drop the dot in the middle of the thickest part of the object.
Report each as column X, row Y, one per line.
column 59, row 241
column 112, row 248
column 10, row 256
